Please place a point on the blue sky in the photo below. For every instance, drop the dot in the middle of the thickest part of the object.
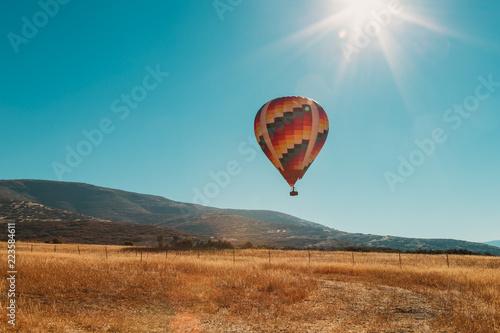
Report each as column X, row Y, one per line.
column 167, row 92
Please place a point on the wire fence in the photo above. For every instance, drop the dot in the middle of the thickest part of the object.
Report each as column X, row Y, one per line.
column 268, row 256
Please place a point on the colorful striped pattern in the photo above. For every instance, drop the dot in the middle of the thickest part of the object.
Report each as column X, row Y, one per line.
column 291, row 131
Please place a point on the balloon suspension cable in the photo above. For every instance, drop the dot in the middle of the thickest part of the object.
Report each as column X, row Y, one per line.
column 293, row 192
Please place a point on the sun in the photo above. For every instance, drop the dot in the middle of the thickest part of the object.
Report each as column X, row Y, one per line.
column 358, row 11
column 350, row 28
column 362, row 6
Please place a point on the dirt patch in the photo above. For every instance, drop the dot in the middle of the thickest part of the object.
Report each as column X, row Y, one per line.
column 337, row 306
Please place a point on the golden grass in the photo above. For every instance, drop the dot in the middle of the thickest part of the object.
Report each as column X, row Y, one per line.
column 65, row 291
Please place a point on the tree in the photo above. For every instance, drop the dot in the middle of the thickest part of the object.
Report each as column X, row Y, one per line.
column 56, row 241
column 247, row 245
column 175, row 239
column 223, row 244
column 185, row 243
column 160, row 240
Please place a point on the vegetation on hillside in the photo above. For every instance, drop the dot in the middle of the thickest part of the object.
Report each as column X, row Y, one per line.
column 16, row 210
column 93, row 232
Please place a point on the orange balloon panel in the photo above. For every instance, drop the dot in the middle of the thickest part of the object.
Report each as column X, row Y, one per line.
column 291, row 131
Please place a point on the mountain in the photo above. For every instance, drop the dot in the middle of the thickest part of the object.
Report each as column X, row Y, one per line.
column 38, row 223
column 123, row 206
column 109, row 204
column 261, row 227
column 493, row 243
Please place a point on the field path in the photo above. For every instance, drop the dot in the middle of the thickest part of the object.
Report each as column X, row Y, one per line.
column 340, row 306
column 351, row 306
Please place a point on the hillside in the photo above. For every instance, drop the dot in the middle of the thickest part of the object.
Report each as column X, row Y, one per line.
column 38, row 223
column 122, row 206
column 92, row 232
column 109, row 204
column 493, row 243
column 272, row 216
column 12, row 210
column 258, row 226
column 404, row 243
column 240, row 229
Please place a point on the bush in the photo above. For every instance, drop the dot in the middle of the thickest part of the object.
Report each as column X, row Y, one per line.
column 160, row 240
column 185, row 243
column 247, row 245
column 129, row 243
column 55, row 241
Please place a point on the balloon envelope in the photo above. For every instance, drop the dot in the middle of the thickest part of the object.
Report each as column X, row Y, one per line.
column 291, row 131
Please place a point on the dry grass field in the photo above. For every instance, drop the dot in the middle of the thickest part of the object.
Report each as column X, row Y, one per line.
column 67, row 291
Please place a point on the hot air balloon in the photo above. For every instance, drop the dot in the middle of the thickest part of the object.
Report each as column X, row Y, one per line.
column 291, row 131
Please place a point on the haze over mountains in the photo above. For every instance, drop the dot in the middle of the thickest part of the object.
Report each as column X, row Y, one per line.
column 493, row 243
column 261, row 227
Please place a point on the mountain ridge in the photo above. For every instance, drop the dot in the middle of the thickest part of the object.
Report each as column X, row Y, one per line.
column 129, row 203
column 238, row 225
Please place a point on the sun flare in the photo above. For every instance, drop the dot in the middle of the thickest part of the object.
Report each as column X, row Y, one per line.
column 387, row 29
column 358, row 10
column 362, row 6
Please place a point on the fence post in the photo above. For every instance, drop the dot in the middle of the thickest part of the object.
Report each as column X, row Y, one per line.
column 352, row 258
column 141, row 255
column 78, row 249
column 234, row 256
column 447, row 260
column 309, row 252
column 106, row 249
column 400, row 260
column 269, row 256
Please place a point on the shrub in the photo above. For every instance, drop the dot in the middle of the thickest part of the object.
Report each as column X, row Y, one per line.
column 160, row 240
column 247, row 245
column 55, row 241
column 185, row 243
